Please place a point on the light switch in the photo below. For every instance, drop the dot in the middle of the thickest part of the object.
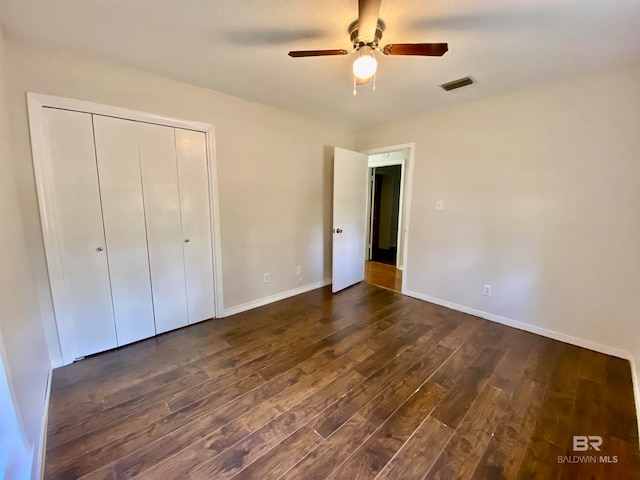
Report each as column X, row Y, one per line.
column 439, row 205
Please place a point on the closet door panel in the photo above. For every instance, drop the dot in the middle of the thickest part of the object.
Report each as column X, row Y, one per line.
column 162, row 211
column 82, row 297
column 124, row 221
column 193, row 176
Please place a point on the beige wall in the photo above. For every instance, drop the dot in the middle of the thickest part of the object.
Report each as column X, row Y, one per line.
column 542, row 200
column 22, row 341
column 274, row 169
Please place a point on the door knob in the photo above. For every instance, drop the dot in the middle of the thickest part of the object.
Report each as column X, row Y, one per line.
column 99, row 249
column 338, row 230
column 186, row 240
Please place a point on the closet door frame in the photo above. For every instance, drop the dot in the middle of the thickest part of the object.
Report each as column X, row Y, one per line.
column 42, row 162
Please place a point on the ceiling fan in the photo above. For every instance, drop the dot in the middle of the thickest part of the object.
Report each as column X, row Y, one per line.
column 365, row 34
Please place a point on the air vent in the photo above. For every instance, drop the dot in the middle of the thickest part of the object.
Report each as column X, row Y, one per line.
column 461, row 82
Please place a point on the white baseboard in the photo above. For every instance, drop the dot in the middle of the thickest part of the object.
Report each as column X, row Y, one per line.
column 274, row 298
column 563, row 337
column 57, row 362
column 636, row 390
column 39, row 452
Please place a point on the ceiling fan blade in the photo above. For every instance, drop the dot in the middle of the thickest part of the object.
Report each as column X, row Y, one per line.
column 316, row 53
column 368, row 13
column 422, row 49
column 252, row 37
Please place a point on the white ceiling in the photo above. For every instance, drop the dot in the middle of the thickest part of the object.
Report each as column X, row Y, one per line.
column 240, row 47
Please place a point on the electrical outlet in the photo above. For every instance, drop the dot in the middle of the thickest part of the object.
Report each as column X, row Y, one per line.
column 486, row 290
column 300, row 280
column 267, row 277
column 299, row 270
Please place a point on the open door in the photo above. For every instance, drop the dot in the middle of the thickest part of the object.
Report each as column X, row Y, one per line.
column 350, row 171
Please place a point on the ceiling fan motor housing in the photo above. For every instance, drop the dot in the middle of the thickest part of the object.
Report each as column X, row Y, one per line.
column 358, row 41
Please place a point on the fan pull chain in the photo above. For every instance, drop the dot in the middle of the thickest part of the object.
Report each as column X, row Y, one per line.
column 354, row 86
column 373, row 54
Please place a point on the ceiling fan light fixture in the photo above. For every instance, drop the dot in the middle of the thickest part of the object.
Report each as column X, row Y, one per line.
column 365, row 65
column 365, row 34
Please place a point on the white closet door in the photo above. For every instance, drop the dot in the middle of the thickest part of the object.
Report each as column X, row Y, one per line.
column 82, row 297
column 123, row 210
column 164, row 230
column 193, row 175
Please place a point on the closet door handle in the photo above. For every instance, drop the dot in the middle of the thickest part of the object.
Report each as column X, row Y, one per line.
column 99, row 249
column 186, row 240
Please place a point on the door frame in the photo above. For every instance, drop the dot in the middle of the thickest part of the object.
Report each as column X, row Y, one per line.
column 405, row 198
column 42, row 160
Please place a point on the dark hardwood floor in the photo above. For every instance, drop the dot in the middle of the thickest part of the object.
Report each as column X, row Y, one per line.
column 387, row 276
column 362, row 384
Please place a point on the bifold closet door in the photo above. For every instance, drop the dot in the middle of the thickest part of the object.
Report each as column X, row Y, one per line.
column 123, row 210
column 82, row 297
column 193, row 175
column 164, row 230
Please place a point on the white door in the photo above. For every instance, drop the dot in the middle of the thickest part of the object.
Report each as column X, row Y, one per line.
column 193, row 175
column 349, row 217
column 80, row 288
column 124, row 221
column 164, row 228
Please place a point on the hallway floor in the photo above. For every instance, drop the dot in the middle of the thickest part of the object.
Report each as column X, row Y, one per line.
column 382, row 275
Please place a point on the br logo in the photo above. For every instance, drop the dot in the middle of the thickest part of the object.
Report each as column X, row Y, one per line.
column 582, row 443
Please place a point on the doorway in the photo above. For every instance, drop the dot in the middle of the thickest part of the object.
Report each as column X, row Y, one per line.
column 385, row 233
column 354, row 205
column 385, row 209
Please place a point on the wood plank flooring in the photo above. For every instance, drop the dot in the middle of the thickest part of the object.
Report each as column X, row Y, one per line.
column 363, row 384
column 382, row 275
